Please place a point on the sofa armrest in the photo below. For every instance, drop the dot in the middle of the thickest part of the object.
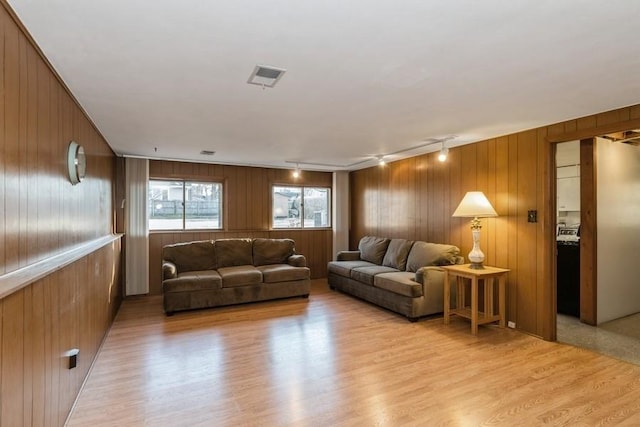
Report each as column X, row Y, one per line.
column 432, row 279
column 169, row 270
column 297, row 260
column 422, row 271
column 348, row 256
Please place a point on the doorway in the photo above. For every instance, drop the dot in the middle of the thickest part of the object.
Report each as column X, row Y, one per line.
column 576, row 227
column 605, row 290
column 568, row 228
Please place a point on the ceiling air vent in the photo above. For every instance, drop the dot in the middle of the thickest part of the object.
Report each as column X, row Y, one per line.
column 207, row 153
column 265, row 76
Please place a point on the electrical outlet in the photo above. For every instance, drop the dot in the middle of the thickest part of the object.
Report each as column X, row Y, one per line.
column 73, row 357
column 511, row 324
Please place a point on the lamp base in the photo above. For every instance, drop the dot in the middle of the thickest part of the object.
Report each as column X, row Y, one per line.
column 476, row 257
column 476, row 266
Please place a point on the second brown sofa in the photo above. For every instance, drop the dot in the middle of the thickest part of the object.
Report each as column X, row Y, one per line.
column 214, row 273
column 401, row 275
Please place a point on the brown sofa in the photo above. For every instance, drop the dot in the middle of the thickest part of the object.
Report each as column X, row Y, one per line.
column 401, row 275
column 214, row 273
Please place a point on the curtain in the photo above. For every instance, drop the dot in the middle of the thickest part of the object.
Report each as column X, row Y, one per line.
column 136, row 227
column 340, row 215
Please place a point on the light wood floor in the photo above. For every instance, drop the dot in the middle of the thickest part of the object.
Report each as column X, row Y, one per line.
column 334, row 360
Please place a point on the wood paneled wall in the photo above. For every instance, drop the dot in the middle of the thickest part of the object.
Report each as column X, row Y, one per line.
column 415, row 198
column 71, row 308
column 247, row 211
column 43, row 215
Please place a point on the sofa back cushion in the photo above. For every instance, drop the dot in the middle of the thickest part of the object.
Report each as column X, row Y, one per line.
column 423, row 254
column 397, row 253
column 233, row 252
column 272, row 251
column 373, row 248
column 191, row 256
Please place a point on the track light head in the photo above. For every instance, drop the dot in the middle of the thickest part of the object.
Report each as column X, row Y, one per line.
column 444, row 152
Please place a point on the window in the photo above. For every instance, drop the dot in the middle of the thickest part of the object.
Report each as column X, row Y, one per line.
column 184, row 205
column 301, row 207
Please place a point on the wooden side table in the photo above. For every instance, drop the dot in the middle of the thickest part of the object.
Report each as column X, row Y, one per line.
column 488, row 276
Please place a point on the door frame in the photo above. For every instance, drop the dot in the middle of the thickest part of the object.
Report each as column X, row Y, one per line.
column 550, row 327
column 588, row 233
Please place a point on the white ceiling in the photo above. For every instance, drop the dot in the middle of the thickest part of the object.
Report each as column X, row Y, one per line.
column 167, row 79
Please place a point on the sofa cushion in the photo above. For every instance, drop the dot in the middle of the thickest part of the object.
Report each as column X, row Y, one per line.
column 190, row 256
column 372, row 249
column 423, row 253
column 233, row 252
column 283, row 273
column 240, row 275
column 366, row 274
column 272, row 251
column 397, row 252
column 400, row 282
column 343, row 268
column 193, row 281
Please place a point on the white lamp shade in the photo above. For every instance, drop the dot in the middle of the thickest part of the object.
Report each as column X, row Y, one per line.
column 474, row 204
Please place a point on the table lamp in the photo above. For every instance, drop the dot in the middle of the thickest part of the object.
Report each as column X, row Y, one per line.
column 475, row 205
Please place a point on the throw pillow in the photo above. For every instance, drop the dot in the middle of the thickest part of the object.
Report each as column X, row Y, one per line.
column 397, row 252
column 373, row 248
